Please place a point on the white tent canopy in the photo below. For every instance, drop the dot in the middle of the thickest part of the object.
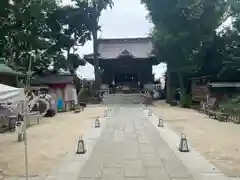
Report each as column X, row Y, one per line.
column 11, row 94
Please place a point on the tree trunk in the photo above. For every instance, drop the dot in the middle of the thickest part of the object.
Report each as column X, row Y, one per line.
column 169, row 87
column 182, row 86
column 95, row 60
column 68, row 52
column 69, row 64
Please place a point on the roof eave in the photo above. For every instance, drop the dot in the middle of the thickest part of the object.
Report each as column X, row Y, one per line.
column 50, row 83
column 125, row 39
column 200, row 77
column 44, row 80
column 90, row 59
column 14, row 73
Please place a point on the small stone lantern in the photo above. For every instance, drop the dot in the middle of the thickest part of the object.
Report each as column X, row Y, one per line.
column 160, row 122
column 183, row 146
column 81, row 146
column 97, row 123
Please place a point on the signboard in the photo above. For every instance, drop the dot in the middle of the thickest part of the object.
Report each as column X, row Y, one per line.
column 199, row 92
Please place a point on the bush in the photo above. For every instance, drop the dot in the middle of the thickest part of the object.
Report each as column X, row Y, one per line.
column 230, row 105
column 186, row 101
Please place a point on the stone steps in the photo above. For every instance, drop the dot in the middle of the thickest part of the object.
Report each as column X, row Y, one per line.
column 124, row 99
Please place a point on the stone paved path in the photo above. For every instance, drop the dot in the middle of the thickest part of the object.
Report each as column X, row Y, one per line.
column 130, row 148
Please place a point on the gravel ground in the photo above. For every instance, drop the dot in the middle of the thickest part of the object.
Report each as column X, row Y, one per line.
column 47, row 143
column 217, row 141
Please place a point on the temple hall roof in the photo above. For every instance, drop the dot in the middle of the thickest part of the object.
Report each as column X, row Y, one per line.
column 52, row 79
column 114, row 48
column 4, row 69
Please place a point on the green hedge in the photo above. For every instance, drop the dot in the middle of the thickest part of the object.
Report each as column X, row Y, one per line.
column 186, row 101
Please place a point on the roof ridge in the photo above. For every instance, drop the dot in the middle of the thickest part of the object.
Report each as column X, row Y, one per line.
column 127, row 39
column 125, row 53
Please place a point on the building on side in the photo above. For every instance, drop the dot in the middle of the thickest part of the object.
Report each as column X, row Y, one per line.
column 59, row 86
column 8, row 76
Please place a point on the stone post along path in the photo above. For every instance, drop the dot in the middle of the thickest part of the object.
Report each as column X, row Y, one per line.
column 130, row 148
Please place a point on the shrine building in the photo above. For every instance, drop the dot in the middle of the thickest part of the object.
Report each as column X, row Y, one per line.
column 125, row 63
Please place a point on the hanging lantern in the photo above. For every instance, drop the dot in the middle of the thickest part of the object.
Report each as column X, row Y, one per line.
column 97, row 123
column 81, row 146
column 160, row 122
column 183, row 146
column 105, row 113
column 149, row 113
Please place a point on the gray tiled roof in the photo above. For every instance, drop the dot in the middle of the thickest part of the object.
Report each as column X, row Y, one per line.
column 113, row 48
column 52, row 79
column 4, row 69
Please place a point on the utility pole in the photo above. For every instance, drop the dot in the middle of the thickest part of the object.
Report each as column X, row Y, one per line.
column 26, row 109
column 26, row 115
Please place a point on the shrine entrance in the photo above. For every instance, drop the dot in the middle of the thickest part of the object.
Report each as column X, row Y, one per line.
column 125, row 63
column 126, row 82
column 121, row 78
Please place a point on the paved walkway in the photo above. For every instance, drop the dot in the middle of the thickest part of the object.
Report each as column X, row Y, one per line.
column 130, row 148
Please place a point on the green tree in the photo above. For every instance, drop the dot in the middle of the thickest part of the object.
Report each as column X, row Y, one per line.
column 23, row 31
column 220, row 55
column 71, row 28
column 231, row 54
column 41, row 31
column 180, row 29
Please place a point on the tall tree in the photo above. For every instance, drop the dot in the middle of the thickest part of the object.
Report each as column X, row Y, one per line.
column 71, row 26
column 97, row 6
column 180, row 29
column 24, row 28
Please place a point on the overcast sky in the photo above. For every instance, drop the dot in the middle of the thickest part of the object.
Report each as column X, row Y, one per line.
column 127, row 18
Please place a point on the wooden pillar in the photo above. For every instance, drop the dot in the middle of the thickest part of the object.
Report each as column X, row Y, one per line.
column 112, row 73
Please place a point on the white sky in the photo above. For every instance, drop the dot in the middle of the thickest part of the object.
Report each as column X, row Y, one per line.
column 127, row 18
